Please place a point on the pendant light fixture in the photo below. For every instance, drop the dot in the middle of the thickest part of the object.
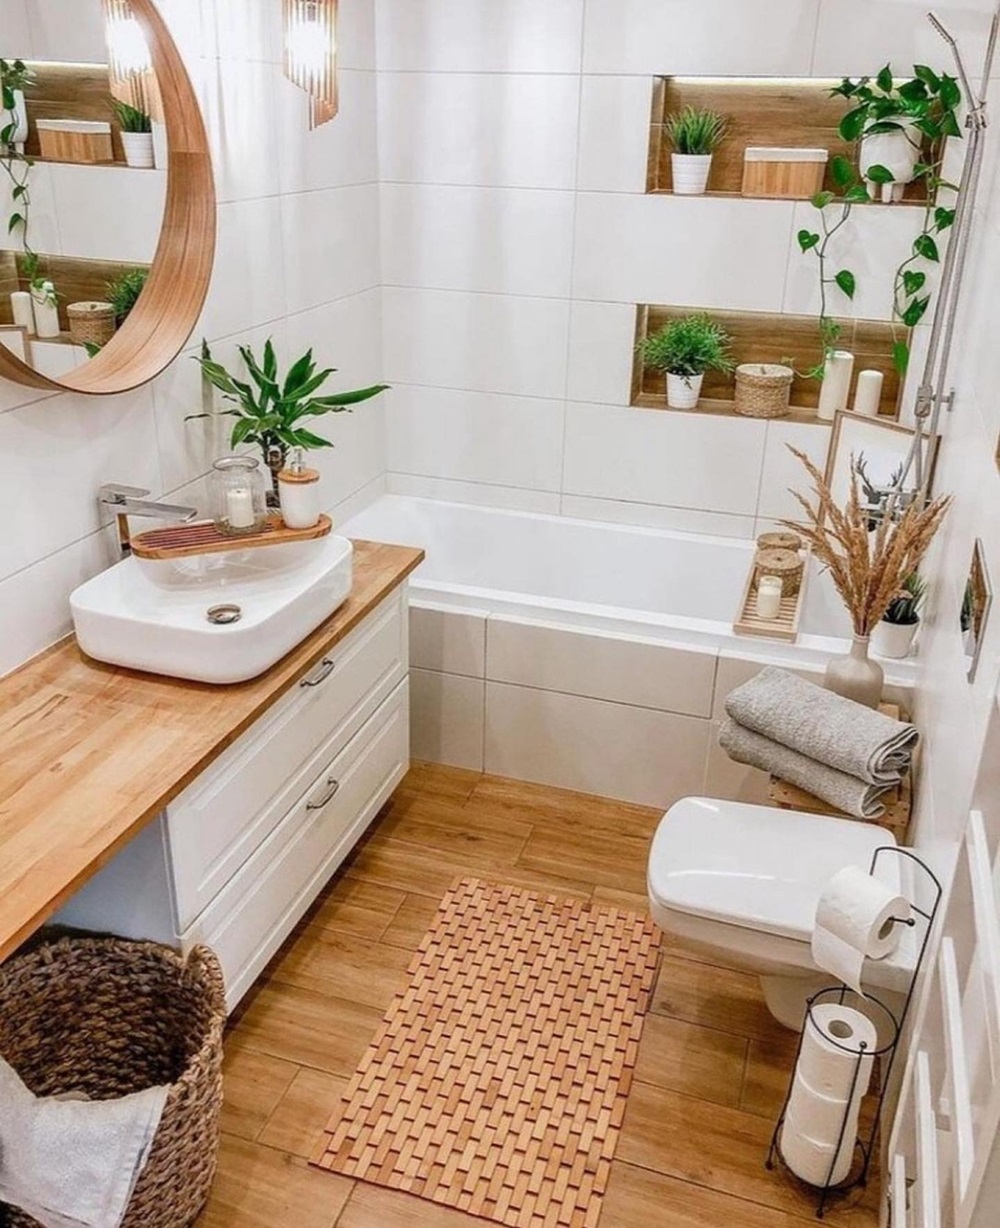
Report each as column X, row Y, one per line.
column 129, row 61
column 310, row 28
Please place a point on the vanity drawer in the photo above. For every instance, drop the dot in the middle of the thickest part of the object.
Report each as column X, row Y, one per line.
column 220, row 820
column 253, row 915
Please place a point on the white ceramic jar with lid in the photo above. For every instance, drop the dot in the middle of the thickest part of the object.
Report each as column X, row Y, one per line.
column 298, row 490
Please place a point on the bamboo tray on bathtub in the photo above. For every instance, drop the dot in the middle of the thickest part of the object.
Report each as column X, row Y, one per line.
column 786, row 625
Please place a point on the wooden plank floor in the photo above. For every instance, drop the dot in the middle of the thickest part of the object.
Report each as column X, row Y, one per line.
column 712, row 1068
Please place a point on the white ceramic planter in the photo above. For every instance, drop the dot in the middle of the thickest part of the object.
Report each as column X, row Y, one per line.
column 19, row 117
column 691, row 173
column 899, row 153
column 894, row 640
column 683, row 391
column 46, row 313
column 836, row 388
column 138, row 149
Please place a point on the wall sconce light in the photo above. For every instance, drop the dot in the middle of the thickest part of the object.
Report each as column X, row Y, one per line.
column 129, row 61
column 311, row 54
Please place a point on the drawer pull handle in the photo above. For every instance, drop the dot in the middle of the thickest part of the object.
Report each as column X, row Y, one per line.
column 326, row 668
column 328, row 796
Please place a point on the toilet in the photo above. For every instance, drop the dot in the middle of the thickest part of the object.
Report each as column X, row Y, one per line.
column 740, row 883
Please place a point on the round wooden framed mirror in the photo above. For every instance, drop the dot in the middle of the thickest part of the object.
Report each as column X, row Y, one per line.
column 102, row 352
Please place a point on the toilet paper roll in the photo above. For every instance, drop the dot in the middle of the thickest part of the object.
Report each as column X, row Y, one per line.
column 823, row 1065
column 821, row 1117
column 854, row 923
column 810, row 1159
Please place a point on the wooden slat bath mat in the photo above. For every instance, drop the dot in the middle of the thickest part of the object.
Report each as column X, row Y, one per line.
column 497, row 1082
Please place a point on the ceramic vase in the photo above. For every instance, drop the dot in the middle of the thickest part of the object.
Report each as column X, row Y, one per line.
column 43, row 300
column 836, row 388
column 691, row 173
column 683, row 391
column 898, row 152
column 138, row 148
column 19, row 118
column 894, row 640
column 856, row 676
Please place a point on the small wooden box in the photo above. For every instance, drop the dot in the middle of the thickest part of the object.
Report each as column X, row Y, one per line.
column 75, row 140
column 783, row 174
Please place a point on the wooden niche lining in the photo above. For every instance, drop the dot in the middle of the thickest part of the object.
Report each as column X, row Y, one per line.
column 168, row 309
column 763, row 337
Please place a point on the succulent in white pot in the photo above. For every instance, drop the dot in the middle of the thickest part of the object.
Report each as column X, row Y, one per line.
column 137, row 134
column 894, row 121
column 684, row 349
column 893, row 636
column 695, row 135
column 15, row 77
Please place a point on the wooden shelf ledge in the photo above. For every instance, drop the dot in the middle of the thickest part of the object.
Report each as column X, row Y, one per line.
column 725, row 409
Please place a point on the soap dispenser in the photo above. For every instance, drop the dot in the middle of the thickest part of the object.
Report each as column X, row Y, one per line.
column 298, row 491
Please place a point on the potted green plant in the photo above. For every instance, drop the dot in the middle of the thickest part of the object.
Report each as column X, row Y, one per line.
column 137, row 134
column 123, row 293
column 271, row 411
column 894, row 634
column 695, row 135
column 15, row 78
column 685, row 349
column 895, row 120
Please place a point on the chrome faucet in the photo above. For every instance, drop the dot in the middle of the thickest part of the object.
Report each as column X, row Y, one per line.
column 128, row 501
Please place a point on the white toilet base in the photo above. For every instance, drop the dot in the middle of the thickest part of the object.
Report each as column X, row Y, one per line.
column 787, row 996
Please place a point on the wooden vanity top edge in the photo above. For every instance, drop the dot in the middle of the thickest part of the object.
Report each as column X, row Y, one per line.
column 91, row 753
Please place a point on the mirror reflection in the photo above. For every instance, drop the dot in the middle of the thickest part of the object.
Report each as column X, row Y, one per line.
column 82, row 179
column 976, row 609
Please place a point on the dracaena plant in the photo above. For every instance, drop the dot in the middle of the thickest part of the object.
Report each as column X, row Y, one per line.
column 272, row 411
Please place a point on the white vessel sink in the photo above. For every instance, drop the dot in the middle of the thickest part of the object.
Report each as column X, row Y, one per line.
column 154, row 616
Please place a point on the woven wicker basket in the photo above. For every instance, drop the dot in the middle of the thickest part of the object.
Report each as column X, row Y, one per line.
column 780, row 540
column 763, row 390
column 109, row 1017
column 787, row 565
column 91, row 323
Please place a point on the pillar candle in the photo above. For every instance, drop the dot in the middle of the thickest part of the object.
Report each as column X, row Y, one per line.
column 868, row 396
column 836, row 384
column 769, row 597
column 22, row 311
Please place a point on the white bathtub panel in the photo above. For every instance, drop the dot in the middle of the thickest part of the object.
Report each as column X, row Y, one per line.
column 482, row 494
column 677, row 460
column 446, row 719
column 448, row 641
column 601, row 666
column 733, row 782
column 651, row 516
column 634, row 754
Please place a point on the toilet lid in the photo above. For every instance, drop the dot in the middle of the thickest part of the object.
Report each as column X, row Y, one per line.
column 756, row 867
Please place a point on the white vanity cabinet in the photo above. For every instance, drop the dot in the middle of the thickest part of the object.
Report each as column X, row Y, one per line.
column 239, row 856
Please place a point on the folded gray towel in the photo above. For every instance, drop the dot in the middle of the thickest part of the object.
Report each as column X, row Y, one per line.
column 73, row 1163
column 824, row 726
column 850, row 795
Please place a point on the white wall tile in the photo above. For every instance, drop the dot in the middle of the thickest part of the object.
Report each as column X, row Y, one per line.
column 782, row 471
column 690, row 251
column 16, row 27
column 45, row 236
column 653, row 516
column 243, row 103
column 109, row 213
column 483, row 342
column 341, row 152
column 61, row 33
column 248, row 285
column 493, row 240
column 592, row 746
column 601, row 346
column 356, row 36
column 674, row 459
column 477, row 437
column 519, row 36
column 614, row 133
column 248, row 31
column 486, row 130
column 700, row 37
column 475, row 493
column 331, row 244
column 446, row 719
column 596, row 665
column 447, row 641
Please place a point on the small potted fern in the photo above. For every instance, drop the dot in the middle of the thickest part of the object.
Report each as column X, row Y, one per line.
column 695, row 136
column 684, row 349
column 894, row 634
column 137, row 134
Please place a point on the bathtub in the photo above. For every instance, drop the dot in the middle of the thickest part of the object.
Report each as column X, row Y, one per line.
column 582, row 654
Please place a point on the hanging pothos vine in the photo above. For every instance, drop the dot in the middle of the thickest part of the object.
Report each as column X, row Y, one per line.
column 16, row 75
column 927, row 103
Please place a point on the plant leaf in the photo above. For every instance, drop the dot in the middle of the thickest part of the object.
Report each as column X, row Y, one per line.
column 925, row 246
column 341, row 399
column 901, row 357
column 298, row 373
column 943, row 218
column 808, row 239
column 913, row 281
column 842, row 172
column 880, row 174
column 847, row 282
column 270, row 360
column 821, row 200
column 856, row 195
column 305, row 391
column 950, row 93
column 884, row 80
column 913, row 91
column 928, row 76
column 306, row 439
column 916, row 311
column 853, row 123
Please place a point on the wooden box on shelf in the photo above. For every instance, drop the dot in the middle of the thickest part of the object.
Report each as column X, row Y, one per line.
column 76, row 140
column 783, row 174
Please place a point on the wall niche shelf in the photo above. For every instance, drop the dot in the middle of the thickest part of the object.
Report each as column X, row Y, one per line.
column 71, row 91
column 76, row 281
column 767, row 337
column 781, row 111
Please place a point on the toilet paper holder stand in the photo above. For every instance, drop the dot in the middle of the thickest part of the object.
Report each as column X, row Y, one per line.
column 892, row 1026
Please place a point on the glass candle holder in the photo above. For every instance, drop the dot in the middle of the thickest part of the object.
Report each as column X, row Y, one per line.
column 238, row 495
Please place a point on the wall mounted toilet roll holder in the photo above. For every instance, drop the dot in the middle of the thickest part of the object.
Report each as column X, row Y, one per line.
column 889, row 1025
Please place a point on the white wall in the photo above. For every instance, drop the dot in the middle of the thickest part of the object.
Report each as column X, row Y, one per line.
column 517, row 238
column 298, row 260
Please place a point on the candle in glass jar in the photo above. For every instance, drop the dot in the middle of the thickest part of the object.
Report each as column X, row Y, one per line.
column 768, row 597
column 239, row 507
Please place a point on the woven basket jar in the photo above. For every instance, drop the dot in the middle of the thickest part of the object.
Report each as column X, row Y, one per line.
column 763, row 390
column 108, row 1017
column 91, row 323
column 787, row 565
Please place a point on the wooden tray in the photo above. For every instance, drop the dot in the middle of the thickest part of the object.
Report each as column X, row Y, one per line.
column 185, row 540
column 786, row 625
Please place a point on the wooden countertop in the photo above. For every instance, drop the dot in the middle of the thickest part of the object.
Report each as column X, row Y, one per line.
column 90, row 753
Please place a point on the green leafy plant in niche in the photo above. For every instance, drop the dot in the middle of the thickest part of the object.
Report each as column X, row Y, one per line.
column 695, row 132
column 131, row 119
column 272, row 411
column 16, row 75
column 123, row 293
column 688, row 346
column 925, row 108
